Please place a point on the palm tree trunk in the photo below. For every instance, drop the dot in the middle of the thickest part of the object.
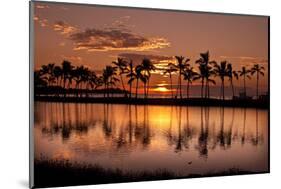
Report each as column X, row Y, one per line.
column 104, row 90
column 107, row 93
column 202, row 87
column 232, row 87
column 147, row 88
column 208, row 91
column 171, row 83
column 180, row 85
column 130, row 89
column 57, row 84
column 206, row 88
column 245, row 86
column 257, row 85
column 222, row 89
column 187, row 89
column 144, row 86
column 77, row 90
column 87, row 89
column 137, row 85
column 64, row 86
column 221, row 92
column 123, row 84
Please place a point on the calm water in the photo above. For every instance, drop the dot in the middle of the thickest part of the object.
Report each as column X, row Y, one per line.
column 180, row 139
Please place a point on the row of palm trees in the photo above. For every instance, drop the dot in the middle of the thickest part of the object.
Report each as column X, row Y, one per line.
column 66, row 76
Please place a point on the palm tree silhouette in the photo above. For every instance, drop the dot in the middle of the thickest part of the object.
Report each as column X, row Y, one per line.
column 171, row 68
column 109, row 78
column 85, row 79
column 131, row 76
column 201, row 75
column 59, row 78
column 113, row 79
column 77, row 78
column 221, row 71
column 189, row 75
column 245, row 73
column 57, row 72
column 80, row 75
column 39, row 81
column 258, row 70
column 48, row 72
column 206, row 72
column 51, row 77
column 122, row 67
column 93, row 80
column 146, row 67
column 230, row 74
column 138, row 76
column 181, row 65
column 99, row 81
column 66, row 72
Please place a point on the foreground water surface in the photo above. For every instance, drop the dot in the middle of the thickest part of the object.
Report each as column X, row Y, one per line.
column 184, row 140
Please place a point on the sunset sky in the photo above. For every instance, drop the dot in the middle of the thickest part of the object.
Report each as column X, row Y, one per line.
column 95, row 36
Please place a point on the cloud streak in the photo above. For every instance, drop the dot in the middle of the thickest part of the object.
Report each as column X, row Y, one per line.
column 75, row 59
column 43, row 22
column 40, row 6
column 64, row 28
column 246, row 60
column 111, row 39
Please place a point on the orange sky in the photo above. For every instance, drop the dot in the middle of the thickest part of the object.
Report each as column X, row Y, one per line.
column 95, row 36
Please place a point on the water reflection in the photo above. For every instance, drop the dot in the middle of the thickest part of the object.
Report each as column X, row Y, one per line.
column 150, row 137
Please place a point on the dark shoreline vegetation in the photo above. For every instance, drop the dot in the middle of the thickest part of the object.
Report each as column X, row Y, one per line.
column 120, row 82
column 53, row 173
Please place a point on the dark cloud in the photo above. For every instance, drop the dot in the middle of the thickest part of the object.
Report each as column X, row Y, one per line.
column 115, row 39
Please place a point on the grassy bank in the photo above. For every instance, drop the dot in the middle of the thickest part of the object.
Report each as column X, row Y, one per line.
column 52, row 173
column 160, row 101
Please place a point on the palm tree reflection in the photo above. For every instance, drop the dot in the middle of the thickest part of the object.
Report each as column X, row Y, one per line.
column 221, row 135
column 106, row 125
column 229, row 134
column 244, row 128
column 256, row 138
column 204, row 133
column 67, row 120
column 146, row 129
column 188, row 131
column 130, row 125
column 170, row 132
column 179, row 138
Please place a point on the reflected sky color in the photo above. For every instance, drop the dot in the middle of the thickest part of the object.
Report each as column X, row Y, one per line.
column 184, row 140
column 95, row 36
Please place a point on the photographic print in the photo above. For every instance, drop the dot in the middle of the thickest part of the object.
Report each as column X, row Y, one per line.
column 123, row 94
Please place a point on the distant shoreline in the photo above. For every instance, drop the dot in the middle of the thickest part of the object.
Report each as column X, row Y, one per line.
column 246, row 103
